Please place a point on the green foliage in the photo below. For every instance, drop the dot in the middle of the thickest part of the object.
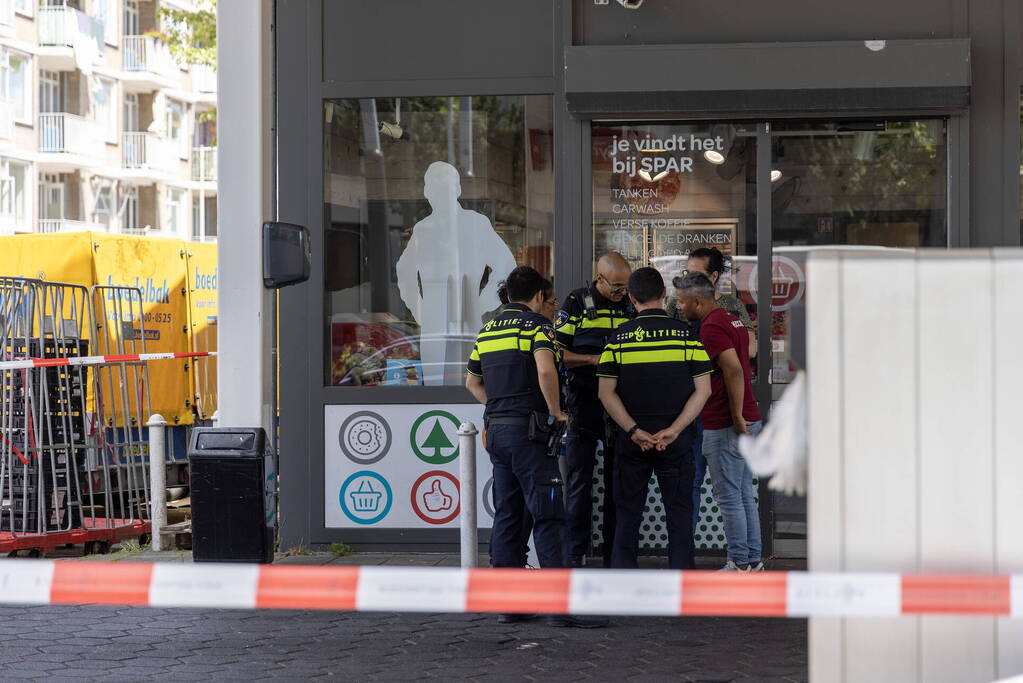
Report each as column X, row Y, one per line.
column 340, row 549
column 191, row 36
column 297, row 550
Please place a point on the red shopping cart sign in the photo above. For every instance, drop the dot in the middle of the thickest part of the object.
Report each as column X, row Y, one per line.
column 787, row 283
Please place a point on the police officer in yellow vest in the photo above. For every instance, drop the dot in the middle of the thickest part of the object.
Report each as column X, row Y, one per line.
column 654, row 381
column 587, row 319
column 513, row 369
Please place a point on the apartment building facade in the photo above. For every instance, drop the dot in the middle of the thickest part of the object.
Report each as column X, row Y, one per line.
column 100, row 127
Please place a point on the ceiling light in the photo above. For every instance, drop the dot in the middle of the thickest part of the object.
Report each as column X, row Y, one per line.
column 645, row 175
column 715, row 157
column 775, row 175
column 659, row 176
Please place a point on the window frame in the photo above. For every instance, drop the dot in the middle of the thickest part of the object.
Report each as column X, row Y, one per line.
column 24, row 221
column 182, row 138
column 28, row 91
column 109, row 127
column 27, row 11
column 180, row 205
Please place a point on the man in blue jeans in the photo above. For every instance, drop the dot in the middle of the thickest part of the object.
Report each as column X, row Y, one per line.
column 730, row 412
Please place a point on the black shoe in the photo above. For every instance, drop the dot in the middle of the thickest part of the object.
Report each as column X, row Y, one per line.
column 514, row 618
column 570, row 621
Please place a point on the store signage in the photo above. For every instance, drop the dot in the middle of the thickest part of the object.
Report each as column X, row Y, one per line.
column 787, row 283
column 653, row 158
column 396, row 466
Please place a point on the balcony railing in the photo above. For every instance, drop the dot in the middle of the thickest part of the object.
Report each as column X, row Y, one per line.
column 147, row 54
column 66, row 225
column 59, row 26
column 148, row 151
column 68, row 134
column 204, row 78
column 204, row 164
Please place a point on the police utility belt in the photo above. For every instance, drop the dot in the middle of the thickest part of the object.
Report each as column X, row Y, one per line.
column 540, row 428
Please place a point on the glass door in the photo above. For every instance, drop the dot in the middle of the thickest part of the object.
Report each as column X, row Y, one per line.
column 660, row 192
column 855, row 185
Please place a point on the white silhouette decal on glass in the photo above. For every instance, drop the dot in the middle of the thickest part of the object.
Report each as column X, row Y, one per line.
column 448, row 274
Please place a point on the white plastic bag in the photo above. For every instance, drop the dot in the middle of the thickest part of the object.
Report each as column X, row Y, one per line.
column 780, row 451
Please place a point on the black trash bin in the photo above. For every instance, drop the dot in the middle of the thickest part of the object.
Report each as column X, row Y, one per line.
column 233, row 490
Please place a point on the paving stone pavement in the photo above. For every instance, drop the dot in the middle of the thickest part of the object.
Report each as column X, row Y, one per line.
column 131, row 644
column 104, row 643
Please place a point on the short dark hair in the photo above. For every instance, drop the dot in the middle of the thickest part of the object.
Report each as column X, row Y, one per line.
column 715, row 259
column 695, row 284
column 502, row 291
column 646, row 284
column 524, row 282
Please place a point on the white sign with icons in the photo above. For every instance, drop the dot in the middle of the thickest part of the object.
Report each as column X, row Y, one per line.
column 396, row 466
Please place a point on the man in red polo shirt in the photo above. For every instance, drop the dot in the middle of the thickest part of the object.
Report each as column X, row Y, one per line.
column 731, row 411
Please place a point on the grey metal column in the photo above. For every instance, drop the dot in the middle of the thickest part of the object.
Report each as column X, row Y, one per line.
column 764, row 313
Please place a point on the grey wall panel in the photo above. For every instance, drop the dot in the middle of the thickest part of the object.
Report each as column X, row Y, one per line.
column 675, row 21
column 395, row 40
column 768, row 66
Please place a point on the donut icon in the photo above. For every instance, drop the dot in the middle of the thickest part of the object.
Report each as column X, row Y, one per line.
column 364, row 437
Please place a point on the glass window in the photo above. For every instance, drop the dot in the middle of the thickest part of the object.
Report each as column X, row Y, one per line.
column 103, row 202
column 662, row 190
column 18, row 85
column 176, row 125
column 867, row 184
column 130, row 209
column 49, row 92
column 430, row 202
column 104, row 14
column 19, row 176
column 104, row 112
column 131, row 18
column 175, row 211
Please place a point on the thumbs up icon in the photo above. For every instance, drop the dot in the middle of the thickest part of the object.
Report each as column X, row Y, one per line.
column 435, row 500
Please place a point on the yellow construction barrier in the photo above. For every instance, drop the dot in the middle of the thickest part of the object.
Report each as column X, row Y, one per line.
column 178, row 281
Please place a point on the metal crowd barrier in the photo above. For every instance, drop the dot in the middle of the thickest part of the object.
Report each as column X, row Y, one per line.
column 72, row 446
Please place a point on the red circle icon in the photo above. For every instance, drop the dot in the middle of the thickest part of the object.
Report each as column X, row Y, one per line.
column 435, row 497
column 787, row 283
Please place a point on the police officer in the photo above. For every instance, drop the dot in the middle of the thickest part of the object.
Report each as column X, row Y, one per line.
column 654, row 380
column 513, row 369
column 589, row 316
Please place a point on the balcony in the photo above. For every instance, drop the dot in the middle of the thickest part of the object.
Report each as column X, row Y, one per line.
column 51, row 225
column 149, row 152
column 204, row 164
column 65, row 26
column 69, row 134
column 148, row 64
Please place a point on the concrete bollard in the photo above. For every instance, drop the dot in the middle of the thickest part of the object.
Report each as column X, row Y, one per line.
column 467, row 494
column 157, row 478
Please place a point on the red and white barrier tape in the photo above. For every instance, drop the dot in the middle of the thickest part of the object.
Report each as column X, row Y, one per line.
column 96, row 360
column 552, row 591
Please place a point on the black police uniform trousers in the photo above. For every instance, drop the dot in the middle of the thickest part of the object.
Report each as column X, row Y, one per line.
column 526, row 483
column 588, row 425
column 674, row 470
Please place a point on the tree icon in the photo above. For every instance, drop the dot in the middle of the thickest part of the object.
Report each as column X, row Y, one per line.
column 437, row 440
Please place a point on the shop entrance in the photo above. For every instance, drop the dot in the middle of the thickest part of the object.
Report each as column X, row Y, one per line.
column 764, row 194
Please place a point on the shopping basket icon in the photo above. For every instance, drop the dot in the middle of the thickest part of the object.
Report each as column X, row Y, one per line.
column 781, row 287
column 365, row 498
